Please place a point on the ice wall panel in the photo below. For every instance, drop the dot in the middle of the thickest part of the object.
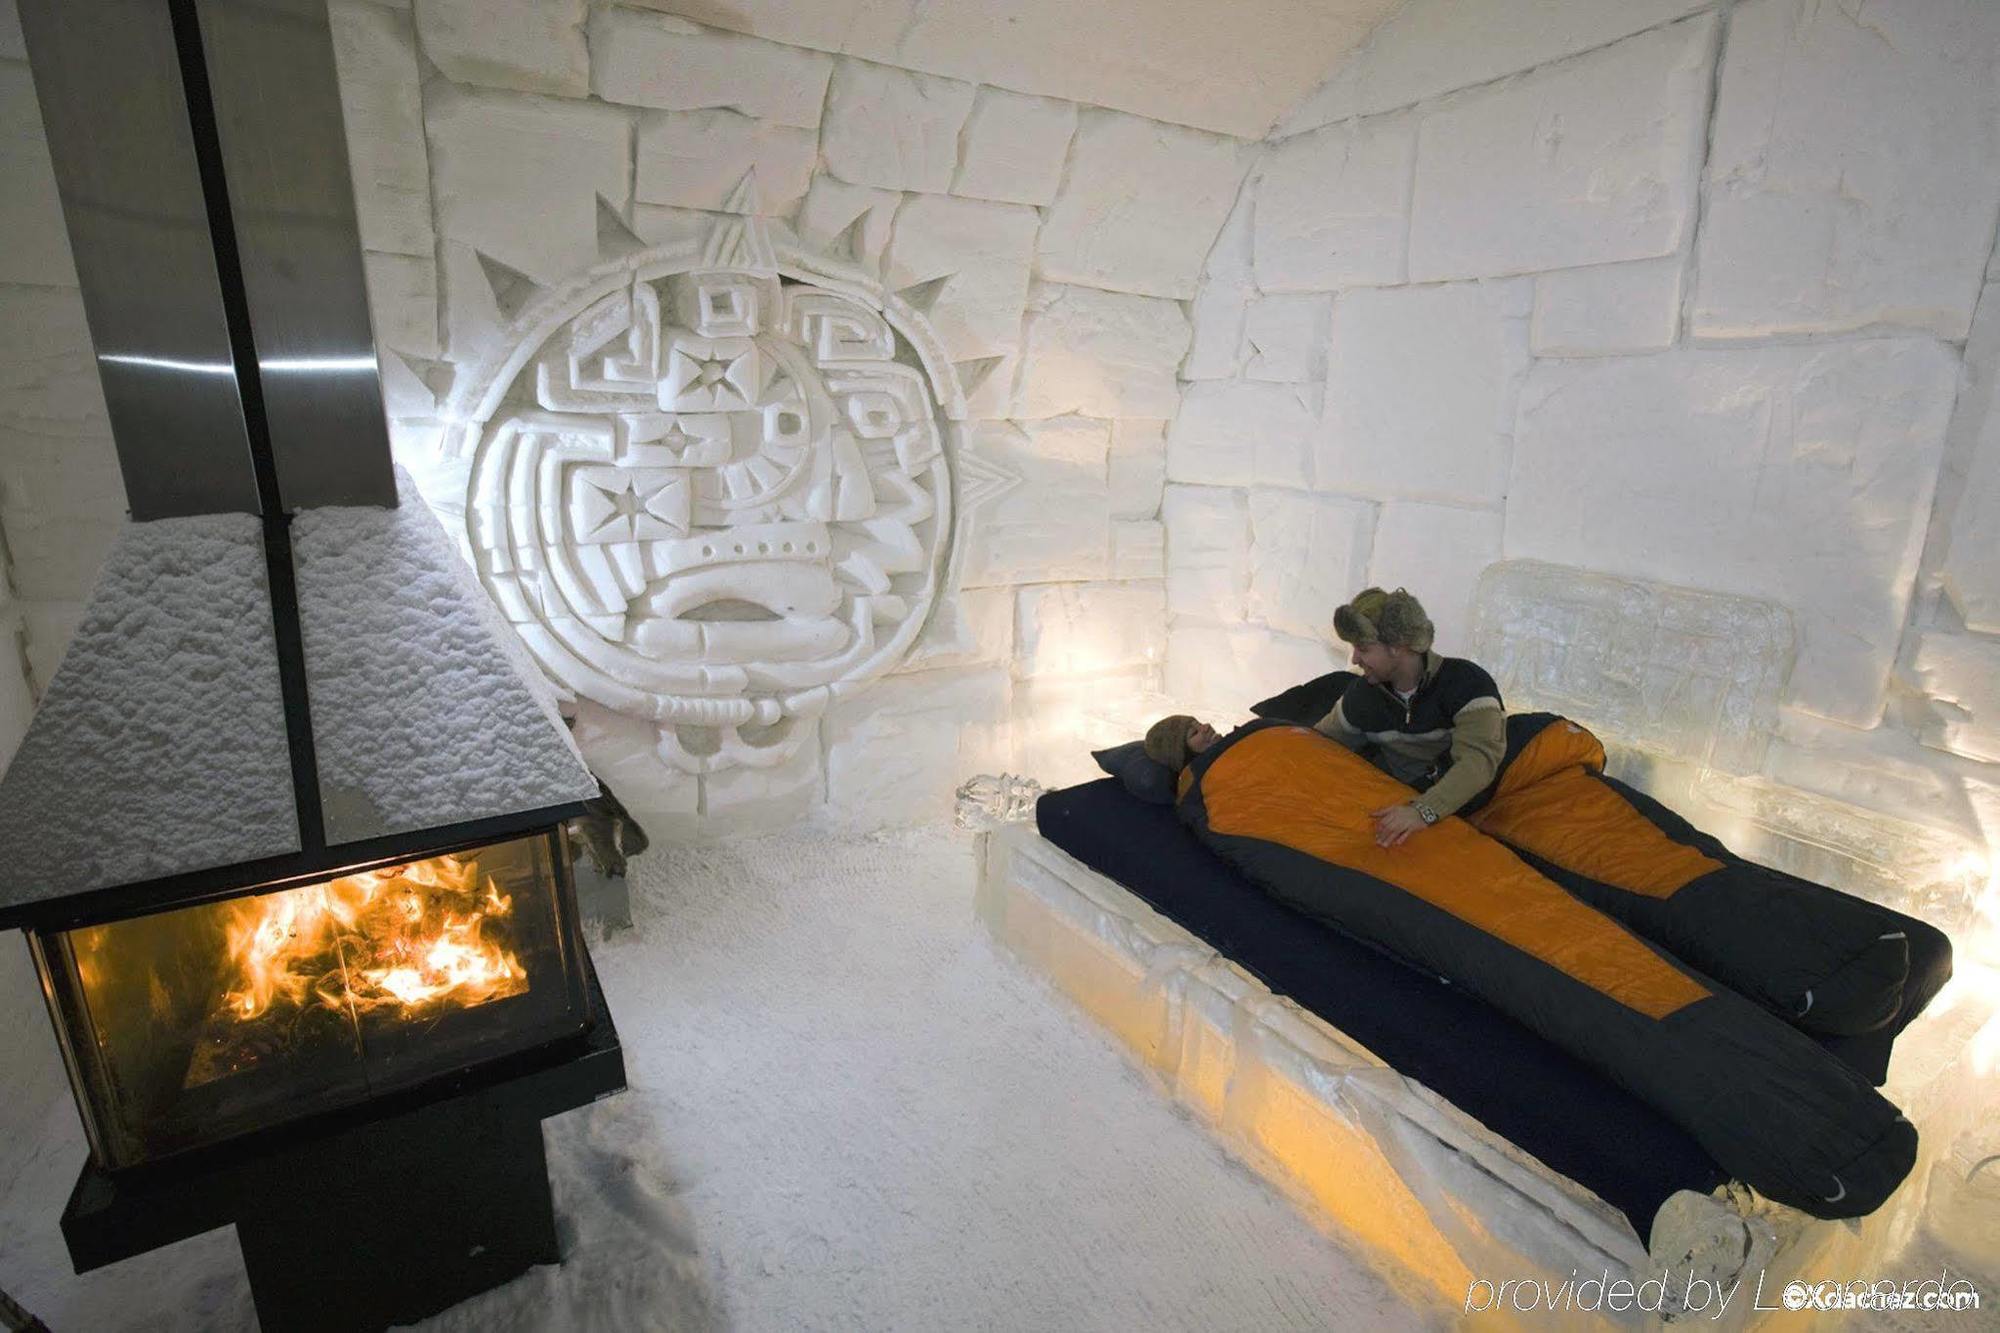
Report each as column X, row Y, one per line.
column 1435, row 46
column 1140, row 205
column 531, row 46
column 1208, row 552
column 1103, row 354
column 1438, row 552
column 1308, row 554
column 1583, row 162
column 1055, row 525
column 1333, row 207
column 658, row 60
column 894, row 129
column 1803, row 474
column 1854, row 176
column 517, row 177
column 1420, row 393
column 382, row 109
column 1013, row 148
column 981, row 251
column 1239, row 434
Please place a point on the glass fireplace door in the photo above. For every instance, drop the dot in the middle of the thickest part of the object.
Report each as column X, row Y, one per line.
column 201, row 1023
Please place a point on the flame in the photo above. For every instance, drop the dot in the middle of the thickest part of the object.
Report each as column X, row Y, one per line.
column 404, row 936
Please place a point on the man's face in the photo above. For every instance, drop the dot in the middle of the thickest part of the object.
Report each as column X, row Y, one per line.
column 1376, row 662
column 1201, row 738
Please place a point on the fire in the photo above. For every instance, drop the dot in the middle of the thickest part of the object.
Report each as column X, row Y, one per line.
column 405, row 936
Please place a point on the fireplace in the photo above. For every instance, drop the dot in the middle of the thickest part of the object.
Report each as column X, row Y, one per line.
column 190, row 1026
column 286, row 833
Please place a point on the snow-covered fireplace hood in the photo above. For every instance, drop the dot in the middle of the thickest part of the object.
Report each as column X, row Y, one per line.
column 281, row 670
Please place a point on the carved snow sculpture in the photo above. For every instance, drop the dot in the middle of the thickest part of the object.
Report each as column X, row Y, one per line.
column 711, row 485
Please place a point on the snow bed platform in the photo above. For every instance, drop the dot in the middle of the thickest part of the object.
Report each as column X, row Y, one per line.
column 1437, row 1197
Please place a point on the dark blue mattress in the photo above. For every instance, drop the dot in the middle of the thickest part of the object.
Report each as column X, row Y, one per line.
column 1500, row 1073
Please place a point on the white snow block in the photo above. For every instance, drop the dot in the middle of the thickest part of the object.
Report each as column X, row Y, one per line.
column 1227, row 286
column 896, row 752
column 697, row 159
column 1802, row 474
column 1333, row 207
column 1284, row 338
column 1585, row 162
column 518, row 178
column 850, row 222
column 744, row 800
column 1208, row 552
column 968, row 262
column 659, row 60
column 403, row 302
column 1138, row 549
column 1429, row 47
column 1013, row 147
column 894, row 129
column 1420, row 392
column 1239, row 434
column 48, row 367
column 1971, row 568
column 1056, row 525
column 1101, row 354
column 1140, row 205
column 31, row 218
column 49, row 627
column 1308, row 554
column 530, row 46
column 1961, row 674
column 382, row 108
column 1438, row 553
column 1823, row 214
column 57, row 556
column 1223, row 669
column 624, row 754
column 1138, row 467
column 1607, row 308
column 1087, row 629
column 971, row 627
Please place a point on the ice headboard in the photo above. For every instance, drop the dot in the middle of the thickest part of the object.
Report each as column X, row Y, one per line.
column 1683, row 687
column 1672, row 671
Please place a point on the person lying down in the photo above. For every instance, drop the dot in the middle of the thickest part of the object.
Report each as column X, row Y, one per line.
column 1290, row 809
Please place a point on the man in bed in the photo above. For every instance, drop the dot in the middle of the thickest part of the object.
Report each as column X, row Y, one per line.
column 1431, row 722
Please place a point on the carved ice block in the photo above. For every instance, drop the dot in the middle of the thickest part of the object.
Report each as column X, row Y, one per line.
column 1676, row 671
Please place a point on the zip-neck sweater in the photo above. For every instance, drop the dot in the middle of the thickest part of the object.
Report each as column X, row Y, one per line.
column 1446, row 740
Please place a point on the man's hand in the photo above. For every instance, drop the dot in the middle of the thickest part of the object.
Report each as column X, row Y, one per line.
column 1395, row 823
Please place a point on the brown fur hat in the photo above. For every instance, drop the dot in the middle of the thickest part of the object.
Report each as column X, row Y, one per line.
column 1167, row 741
column 1394, row 618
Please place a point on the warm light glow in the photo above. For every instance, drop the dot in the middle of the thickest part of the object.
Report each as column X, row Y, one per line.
column 405, row 936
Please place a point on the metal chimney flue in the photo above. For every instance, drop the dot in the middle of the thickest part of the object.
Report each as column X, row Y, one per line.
column 203, row 171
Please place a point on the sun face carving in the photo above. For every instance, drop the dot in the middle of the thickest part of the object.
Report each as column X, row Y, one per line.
column 712, row 489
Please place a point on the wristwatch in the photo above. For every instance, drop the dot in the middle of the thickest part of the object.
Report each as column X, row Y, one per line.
column 1424, row 812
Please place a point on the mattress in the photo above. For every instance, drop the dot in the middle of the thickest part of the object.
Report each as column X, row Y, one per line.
column 1514, row 1082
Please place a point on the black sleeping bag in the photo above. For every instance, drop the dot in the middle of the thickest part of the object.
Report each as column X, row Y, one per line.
column 1289, row 808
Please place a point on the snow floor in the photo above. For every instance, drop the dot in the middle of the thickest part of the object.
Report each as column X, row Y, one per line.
column 848, row 1110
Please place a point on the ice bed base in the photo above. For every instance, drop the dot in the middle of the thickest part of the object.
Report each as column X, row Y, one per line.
column 1438, row 1201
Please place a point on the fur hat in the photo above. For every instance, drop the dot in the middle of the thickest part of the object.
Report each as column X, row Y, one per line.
column 1394, row 618
column 1167, row 741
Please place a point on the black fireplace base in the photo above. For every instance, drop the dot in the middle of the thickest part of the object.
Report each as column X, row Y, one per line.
column 360, row 1223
